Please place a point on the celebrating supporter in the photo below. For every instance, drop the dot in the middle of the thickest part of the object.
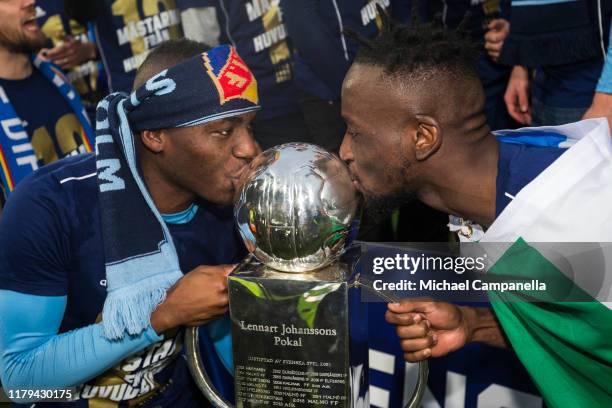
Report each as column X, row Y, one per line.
column 41, row 115
column 126, row 30
column 72, row 47
column 94, row 288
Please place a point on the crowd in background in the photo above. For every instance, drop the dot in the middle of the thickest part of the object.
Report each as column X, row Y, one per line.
column 537, row 69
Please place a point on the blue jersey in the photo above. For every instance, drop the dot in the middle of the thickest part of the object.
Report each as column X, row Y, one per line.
column 127, row 29
column 517, row 166
column 53, row 128
column 257, row 30
column 87, row 78
column 51, row 240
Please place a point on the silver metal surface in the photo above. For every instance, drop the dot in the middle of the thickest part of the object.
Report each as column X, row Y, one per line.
column 423, row 373
column 295, row 208
column 298, row 338
column 291, row 336
column 194, row 362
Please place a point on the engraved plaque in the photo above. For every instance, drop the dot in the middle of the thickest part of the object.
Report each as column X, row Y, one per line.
column 291, row 337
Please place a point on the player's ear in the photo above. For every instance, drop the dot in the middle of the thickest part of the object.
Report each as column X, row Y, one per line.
column 427, row 137
column 153, row 140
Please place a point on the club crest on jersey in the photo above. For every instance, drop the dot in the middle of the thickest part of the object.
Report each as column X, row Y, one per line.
column 230, row 74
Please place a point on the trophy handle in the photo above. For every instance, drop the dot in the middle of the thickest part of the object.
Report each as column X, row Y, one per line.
column 198, row 372
column 194, row 359
column 419, row 389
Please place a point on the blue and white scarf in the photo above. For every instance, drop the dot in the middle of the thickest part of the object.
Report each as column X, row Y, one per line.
column 17, row 157
column 141, row 261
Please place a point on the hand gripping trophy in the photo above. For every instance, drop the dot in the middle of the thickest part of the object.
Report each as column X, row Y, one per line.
column 299, row 328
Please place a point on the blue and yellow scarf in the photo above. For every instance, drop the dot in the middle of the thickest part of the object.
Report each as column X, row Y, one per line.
column 17, row 158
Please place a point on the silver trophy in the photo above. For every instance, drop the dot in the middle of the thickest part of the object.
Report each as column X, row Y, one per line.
column 299, row 329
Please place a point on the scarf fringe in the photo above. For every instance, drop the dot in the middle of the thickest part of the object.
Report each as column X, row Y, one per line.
column 129, row 309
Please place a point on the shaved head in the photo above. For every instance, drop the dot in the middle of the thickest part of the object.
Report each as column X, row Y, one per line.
column 166, row 55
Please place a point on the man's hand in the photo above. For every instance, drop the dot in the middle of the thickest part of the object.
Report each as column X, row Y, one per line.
column 70, row 53
column 517, row 95
column 433, row 329
column 428, row 328
column 498, row 30
column 198, row 297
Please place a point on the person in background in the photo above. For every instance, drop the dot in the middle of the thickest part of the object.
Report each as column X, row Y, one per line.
column 557, row 49
column 257, row 30
column 72, row 47
column 41, row 116
column 125, row 31
column 484, row 15
column 602, row 101
column 323, row 55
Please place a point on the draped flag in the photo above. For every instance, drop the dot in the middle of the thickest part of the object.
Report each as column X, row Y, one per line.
column 565, row 345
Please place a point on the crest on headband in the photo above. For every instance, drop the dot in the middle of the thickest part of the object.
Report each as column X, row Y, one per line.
column 230, row 74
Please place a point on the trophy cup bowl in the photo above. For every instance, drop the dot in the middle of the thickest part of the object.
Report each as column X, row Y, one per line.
column 295, row 209
column 292, row 300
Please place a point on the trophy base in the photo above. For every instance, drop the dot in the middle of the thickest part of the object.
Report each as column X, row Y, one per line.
column 300, row 339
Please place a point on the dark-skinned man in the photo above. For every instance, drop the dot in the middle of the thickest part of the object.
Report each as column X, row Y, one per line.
column 92, row 290
column 413, row 106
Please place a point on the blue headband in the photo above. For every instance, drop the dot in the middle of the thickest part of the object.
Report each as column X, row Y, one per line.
column 207, row 87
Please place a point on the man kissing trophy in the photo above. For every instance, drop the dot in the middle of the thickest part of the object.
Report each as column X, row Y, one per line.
column 299, row 328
